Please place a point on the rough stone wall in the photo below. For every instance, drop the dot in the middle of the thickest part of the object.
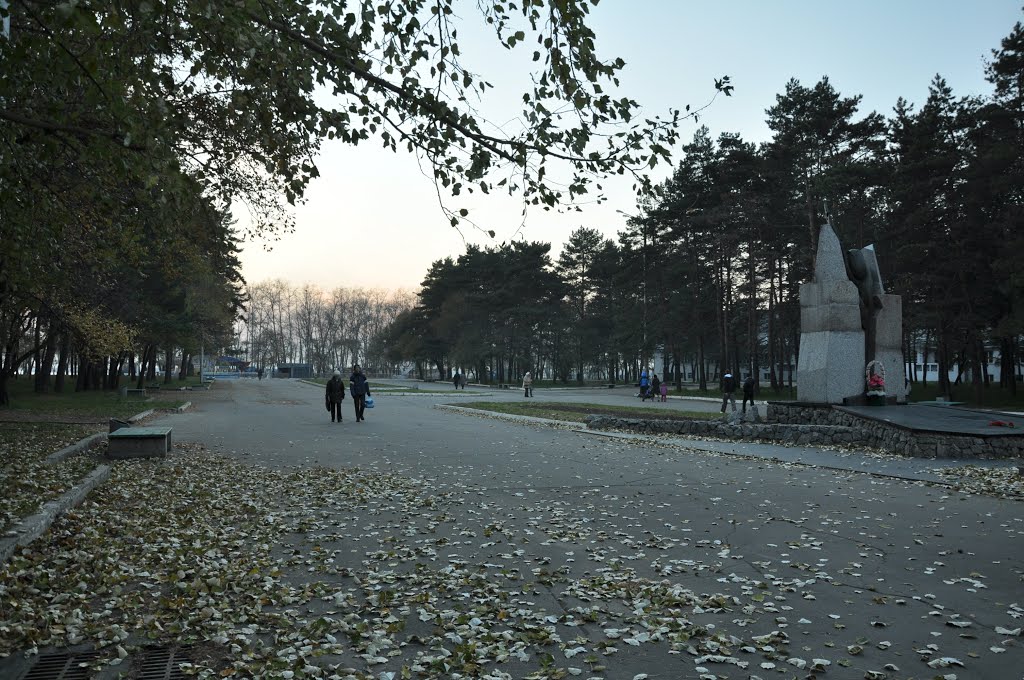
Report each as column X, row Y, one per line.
column 822, row 426
column 895, row 439
column 800, row 435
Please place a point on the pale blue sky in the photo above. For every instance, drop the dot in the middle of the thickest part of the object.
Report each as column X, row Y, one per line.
column 372, row 219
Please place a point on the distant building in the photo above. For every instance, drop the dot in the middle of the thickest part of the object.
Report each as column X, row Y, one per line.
column 922, row 369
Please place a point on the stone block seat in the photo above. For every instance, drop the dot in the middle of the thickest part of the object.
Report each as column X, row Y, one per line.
column 139, row 442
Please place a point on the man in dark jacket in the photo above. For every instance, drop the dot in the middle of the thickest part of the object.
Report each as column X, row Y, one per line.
column 335, row 395
column 728, row 387
column 748, row 392
column 360, row 389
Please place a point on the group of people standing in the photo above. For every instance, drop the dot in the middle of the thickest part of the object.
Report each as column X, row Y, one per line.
column 653, row 388
column 358, row 387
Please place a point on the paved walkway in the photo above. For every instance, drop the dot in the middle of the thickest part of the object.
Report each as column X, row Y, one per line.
column 869, row 462
column 569, row 549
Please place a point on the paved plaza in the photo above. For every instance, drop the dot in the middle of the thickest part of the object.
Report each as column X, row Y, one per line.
column 445, row 544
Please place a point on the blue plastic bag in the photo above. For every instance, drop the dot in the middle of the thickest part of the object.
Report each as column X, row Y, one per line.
column 369, row 402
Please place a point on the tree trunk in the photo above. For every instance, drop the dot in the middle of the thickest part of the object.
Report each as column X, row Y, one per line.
column 37, row 356
column 723, row 312
column 94, row 376
column 144, row 365
column 7, row 368
column 110, row 373
column 43, row 371
column 809, row 200
column 978, row 377
column 926, row 350
column 942, row 360
column 169, row 363
column 80, row 384
column 703, row 381
column 772, row 356
column 1008, row 364
column 62, row 363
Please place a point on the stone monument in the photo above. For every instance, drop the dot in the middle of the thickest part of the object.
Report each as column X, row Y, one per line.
column 831, row 363
column 847, row 320
column 882, row 317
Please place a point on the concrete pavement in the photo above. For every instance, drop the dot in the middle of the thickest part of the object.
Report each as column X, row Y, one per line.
column 863, row 572
column 470, row 546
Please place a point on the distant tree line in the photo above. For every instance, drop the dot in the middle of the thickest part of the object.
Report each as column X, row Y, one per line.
column 330, row 330
column 708, row 270
column 102, row 284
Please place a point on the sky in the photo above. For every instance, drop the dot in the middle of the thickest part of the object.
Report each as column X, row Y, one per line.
column 373, row 220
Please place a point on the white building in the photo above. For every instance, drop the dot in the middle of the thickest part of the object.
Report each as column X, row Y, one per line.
column 929, row 370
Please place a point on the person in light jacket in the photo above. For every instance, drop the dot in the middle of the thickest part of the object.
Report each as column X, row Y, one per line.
column 527, row 385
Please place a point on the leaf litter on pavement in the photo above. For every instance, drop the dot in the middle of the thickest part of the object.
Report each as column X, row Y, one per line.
column 348, row 573
column 26, row 480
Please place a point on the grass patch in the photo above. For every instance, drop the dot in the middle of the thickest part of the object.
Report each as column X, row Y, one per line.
column 577, row 412
column 98, row 403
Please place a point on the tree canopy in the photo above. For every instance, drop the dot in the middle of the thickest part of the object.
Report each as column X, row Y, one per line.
column 128, row 131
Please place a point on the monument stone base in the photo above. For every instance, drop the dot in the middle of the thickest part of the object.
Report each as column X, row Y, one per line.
column 831, row 366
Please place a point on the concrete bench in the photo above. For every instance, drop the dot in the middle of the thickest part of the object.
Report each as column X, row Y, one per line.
column 611, row 386
column 139, row 442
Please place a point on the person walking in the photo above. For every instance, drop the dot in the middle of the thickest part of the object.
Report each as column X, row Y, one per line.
column 360, row 389
column 748, row 394
column 335, row 395
column 527, row 385
column 457, row 379
column 644, row 385
column 655, row 387
column 664, row 391
column 728, row 387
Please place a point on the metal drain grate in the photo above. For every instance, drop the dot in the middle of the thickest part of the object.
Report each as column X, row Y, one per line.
column 162, row 663
column 63, row 666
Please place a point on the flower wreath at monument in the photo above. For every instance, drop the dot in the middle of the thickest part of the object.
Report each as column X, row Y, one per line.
column 874, row 378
